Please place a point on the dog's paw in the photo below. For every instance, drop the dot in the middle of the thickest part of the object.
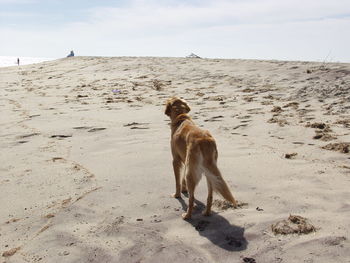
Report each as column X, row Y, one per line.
column 235, row 204
column 176, row 195
column 186, row 216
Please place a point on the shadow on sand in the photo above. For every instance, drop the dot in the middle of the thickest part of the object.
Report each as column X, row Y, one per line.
column 216, row 228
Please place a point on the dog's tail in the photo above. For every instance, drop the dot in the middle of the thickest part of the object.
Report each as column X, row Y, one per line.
column 215, row 178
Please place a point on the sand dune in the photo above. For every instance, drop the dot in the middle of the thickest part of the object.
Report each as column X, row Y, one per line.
column 86, row 172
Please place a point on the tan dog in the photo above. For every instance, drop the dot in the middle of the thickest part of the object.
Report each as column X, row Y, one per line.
column 196, row 149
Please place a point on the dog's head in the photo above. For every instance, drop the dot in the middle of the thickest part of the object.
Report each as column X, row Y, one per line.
column 176, row 106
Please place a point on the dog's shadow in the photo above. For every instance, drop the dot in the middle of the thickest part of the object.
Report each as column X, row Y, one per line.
column 216, row 228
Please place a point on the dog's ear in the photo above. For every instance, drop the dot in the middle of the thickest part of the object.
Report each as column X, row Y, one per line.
column 168, row 108
column 187, row 108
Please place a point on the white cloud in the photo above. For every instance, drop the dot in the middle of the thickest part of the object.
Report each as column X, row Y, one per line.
column 303, row 30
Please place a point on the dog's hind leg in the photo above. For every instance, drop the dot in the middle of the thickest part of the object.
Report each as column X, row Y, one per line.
column 183, row 185
column 207, row 210
column 177, row 169
column 190, row 187
column 192, row 176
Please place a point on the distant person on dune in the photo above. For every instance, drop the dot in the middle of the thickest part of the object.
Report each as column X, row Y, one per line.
column 18, row 61
column 71, row 54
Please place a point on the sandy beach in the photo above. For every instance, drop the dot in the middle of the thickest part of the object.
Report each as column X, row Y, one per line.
column 86, row 169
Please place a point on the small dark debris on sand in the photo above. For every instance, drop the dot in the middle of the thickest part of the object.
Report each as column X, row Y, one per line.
column 224, row 205
column 10, row 252
column 290, row 155
column 293, row 225
column 82, row 96
column 342, row 147
column 249, row 260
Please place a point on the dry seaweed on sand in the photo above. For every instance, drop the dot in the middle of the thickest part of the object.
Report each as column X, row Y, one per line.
column 276, row 109
column 324, row 136
column 10, row 252
column 280, row 122
column 224, row 205
column 293, row 225
column 320, row 125
column 342, row 147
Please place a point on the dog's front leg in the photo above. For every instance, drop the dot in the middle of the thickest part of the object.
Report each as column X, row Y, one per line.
column 177, row 168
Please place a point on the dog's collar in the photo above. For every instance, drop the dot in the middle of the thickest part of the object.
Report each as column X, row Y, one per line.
column 180, row 119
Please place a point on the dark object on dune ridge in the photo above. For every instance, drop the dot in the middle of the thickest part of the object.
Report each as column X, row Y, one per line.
column 71, row 54
column 192, row 55
column 293, row 225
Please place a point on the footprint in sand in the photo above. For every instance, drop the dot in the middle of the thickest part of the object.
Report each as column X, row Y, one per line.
column 215, row 118
column 60, row 136
column 238, row 126
column 96, row 129
column 137, row 125
column 82, row 127
column 21, row 137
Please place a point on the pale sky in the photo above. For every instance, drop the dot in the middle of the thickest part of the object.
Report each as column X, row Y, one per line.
column 314, row 30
